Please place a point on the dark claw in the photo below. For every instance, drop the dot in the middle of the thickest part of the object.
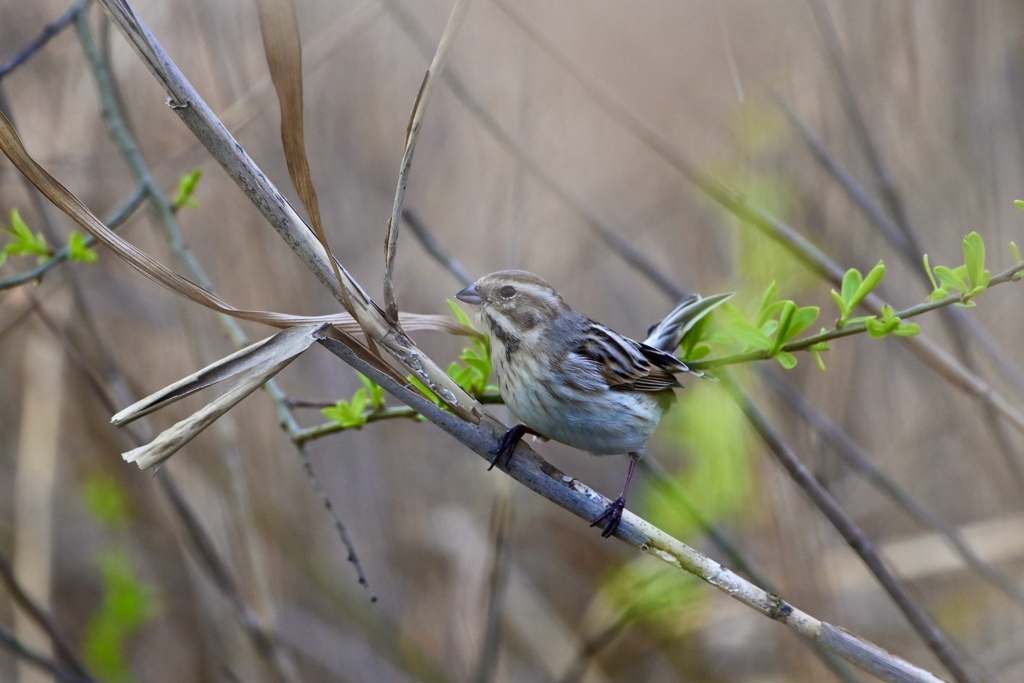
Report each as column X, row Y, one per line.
column 610, row 517
column 507, row 445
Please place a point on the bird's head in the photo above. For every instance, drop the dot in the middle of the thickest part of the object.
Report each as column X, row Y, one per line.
column 513, row 302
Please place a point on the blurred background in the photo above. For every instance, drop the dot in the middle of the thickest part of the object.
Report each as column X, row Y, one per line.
column 562, row 127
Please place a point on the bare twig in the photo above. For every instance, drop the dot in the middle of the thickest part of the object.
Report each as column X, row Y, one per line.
column 435, row 249
column 11, row 643
column 26, row 602
column 501, row 521
column 854, row 455
column 48, row 32
column 339, row 525
column 854, row 536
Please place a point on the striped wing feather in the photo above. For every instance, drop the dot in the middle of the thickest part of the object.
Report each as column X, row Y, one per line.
column 629, row 365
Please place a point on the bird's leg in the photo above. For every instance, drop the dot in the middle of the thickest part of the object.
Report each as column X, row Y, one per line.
column 509, row 440
column 612, row 514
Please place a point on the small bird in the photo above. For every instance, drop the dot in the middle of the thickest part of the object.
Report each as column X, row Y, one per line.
column 568, row 378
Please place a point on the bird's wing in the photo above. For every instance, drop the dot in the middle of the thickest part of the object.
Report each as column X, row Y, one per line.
column 626, row 364
column 667, row 334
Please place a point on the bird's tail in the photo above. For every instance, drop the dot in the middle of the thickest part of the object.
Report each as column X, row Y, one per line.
column 667, row 334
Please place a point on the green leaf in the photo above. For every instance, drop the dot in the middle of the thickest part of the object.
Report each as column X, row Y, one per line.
column 1019, row 203
column 889, row 322
column 127, row 605
column 844, row 310
column 25, row 243
column 78, row 250
column 768, row 329
column 877, row 328
column 801, row 320
column 928, row 269
column 786, row 360
column 785, row 317
column 459, row 314
column 697, row 351
column 187, row 185
column 105, row 499
column 952, row 278
column 349, row 414
column 749, row 335
column 374, row 391
column 873, row 279
column 817, row 350
column 974, row 261
column 907, row 330
column 854, row 289
column 851, row 283
column 360, row 400
column 1015, row 251
column 765, row 310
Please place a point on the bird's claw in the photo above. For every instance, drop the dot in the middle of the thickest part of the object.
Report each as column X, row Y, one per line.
column 610, row 517
column 507, row 446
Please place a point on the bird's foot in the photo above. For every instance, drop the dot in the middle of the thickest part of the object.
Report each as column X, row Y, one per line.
column 610, row 517
column 507, row 446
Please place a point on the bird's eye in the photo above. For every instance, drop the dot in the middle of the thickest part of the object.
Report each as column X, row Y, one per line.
column 507, row 292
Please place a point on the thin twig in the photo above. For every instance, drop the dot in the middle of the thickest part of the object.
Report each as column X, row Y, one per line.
column 48, row 32
column 922, row 623
column 860, row 460
column 339, row 525
column 65, row 652
column 435, row 249
column 501, row 521
column 886, row 185
column 11, row 643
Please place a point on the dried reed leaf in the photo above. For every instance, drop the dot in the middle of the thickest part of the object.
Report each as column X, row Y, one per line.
column 411, row 135
column 265, row 353
column 283, row 49
column 169, row 441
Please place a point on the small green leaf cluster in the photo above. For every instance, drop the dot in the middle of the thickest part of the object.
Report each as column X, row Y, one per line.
column 24, row 242
column 890, row 323
column 967, row 280
column 126, row 607
column 355, row 413
column 473, row 374
column 777, row 322
column 127, row 603
column 854, row 290
column 187, row 185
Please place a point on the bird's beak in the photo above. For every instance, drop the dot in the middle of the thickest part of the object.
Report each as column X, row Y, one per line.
column 470, row 295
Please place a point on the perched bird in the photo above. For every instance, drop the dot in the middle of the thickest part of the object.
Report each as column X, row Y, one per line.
column 568, row 378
